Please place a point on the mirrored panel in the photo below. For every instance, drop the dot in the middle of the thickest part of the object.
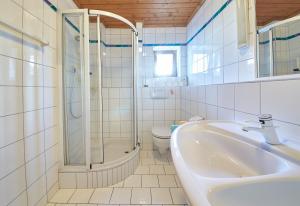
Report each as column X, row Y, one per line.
column 278, row 37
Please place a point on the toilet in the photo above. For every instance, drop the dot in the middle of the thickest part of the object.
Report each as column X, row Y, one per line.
column 161, row 138
column 162, row 135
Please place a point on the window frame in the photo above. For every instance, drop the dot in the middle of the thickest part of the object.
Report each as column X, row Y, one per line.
column 174, row 53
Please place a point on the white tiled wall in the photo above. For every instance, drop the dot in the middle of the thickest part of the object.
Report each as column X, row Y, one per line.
column 234, row 96
column 28, row 106
column 221, row 61
column 159, row 111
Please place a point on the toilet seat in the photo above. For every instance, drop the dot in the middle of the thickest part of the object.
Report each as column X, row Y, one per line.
column 161, row 132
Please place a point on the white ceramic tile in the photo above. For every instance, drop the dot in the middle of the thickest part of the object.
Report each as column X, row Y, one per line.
column 178, row 196
column 32, row 74
column 211, row 112
column 32, row 25
column 62, row 196
column 225, row 114
column 50, row 117
column 51, row 137
column 246, row 70
column 247, row 98
column 35, row 169
column 166, row 181
column 49, row 57
column 81, row 196
column 34, row 7
column 150, row 181
column 141, row 196
column 101, row 195
column 15, row 153
column 32, row 52
column 33, row 98
column 17, row 184
column 157, row 169
column 11, row 129
column 178, row 181
column 212, row 94
column 10, row 44
column 7, row 9
column 50, row 97
column 282, row 105
column 142, row 170
column 50, row 77
column 12, row 103
column 52, row 178
column 230, row 54
column 231, row 73
column 81, row 180
column 121, row 196
column 36, row 191
column 67, row 180
column 170, row 169
column 33, row 122
column 230, row 33
column 20, row 200
column 161, row 196
column 244, row 117
column 226, row 96
column 51, row 156
column 133, row 181
column 11, row 71
column 49, row 16
column 49, row 35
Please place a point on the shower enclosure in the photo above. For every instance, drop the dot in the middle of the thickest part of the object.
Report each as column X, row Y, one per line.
column 99, row 88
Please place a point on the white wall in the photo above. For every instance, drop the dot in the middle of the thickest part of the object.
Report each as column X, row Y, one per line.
column 159, row 112
column 225, row 91
column 29, row 103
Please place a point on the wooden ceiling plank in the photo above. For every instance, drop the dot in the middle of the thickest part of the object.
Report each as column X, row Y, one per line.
column 150, row 12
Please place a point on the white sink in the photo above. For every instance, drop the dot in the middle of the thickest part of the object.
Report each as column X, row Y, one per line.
column 273, row 193
column 210, row 155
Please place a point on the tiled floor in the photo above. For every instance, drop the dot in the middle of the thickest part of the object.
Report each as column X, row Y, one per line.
column 154, row 183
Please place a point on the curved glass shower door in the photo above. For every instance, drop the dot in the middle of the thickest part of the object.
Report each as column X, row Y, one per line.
column 73, row 77
column 99, row 88
column 112, row 89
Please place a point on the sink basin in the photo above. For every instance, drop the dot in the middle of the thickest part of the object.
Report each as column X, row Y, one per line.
column 212, row 154
column 274, row 193
column 207, row 156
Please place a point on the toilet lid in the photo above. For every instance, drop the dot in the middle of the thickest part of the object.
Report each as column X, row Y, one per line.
column 161, row 132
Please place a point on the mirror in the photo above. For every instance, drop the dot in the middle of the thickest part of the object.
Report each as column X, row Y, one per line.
column 278, row 37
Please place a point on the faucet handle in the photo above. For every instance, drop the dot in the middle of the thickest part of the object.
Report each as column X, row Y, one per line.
column 266, row 120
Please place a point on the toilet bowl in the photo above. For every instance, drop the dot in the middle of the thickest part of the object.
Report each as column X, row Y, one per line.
column 161, row 138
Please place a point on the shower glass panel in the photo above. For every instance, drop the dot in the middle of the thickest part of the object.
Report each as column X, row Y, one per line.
column 99, row 86
column 111, row 69
column 73, row 76
column 96, row 34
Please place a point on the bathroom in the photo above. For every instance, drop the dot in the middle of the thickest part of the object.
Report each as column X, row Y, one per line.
column 163, row 102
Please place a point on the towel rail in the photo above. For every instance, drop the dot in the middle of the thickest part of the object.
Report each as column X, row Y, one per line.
column 42, row 42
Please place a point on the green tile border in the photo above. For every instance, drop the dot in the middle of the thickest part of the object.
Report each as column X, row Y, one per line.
column 52, row 6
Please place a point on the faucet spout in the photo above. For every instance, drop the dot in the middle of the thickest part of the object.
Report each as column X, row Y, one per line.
column 267, row 130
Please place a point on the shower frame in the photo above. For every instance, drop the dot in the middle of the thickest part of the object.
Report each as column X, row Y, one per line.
column 84, row 37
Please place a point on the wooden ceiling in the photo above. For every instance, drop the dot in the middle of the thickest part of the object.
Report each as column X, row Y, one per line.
column 153, row 13
column 272, row 10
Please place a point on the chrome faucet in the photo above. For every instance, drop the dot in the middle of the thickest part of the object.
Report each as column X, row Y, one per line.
column 267, row 129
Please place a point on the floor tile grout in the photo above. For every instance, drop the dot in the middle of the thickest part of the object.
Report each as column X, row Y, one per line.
column 162, row 167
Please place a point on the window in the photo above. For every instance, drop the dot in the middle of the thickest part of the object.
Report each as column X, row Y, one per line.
column 165, row 63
